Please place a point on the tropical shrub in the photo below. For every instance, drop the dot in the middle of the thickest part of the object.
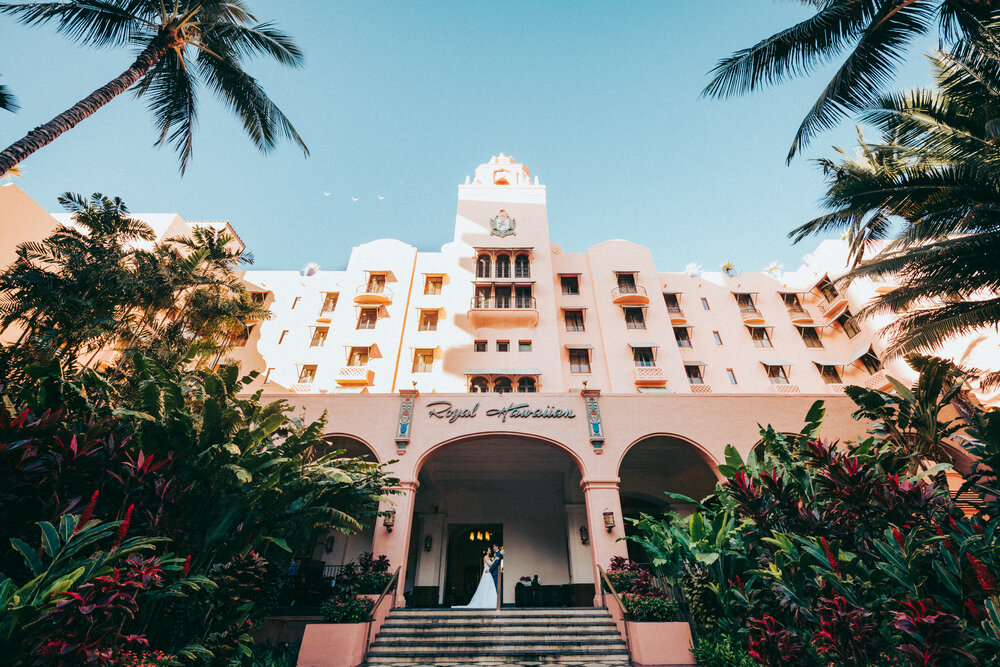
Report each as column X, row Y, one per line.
column 346, row 608
column 367, row 576
column 649, row 607
column 721, row 650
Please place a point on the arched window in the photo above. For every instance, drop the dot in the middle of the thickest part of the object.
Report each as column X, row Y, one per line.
column 478, row 385
column 502, row 385
column 483, row 266
column 503, row 266
column 521, row 267
column 526, row 385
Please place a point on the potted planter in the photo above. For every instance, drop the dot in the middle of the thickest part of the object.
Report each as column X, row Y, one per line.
column 341, row 640
column 654, row 637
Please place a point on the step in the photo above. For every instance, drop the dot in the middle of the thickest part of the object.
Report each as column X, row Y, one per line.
column 521, row 611
column 458, row 625
column 539, row 642
column 507, row 655
column 513, row 659
column 526, row 632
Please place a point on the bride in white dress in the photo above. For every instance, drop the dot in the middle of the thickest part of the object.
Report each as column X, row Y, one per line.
column 486, row 594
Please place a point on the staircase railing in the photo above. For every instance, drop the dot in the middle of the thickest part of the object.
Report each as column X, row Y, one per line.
column 618, row 601
column 371, row 615
column 499, row 584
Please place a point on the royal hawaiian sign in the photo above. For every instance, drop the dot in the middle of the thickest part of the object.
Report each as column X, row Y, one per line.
column 447, row 410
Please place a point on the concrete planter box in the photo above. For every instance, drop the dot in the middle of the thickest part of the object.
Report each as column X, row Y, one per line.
column 333, row 645
column 660, row 644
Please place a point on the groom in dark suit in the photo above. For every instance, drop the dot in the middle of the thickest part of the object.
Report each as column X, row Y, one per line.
column 495, row 569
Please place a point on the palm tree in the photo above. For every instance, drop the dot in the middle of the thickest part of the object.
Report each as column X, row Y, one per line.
column 7, row 100
column 875, row 32
column 183, row 44
column 923, row 205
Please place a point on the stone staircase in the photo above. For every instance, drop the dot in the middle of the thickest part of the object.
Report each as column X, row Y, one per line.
column 512, row 636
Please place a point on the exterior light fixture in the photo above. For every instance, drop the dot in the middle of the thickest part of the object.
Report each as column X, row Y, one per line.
column 428, row 542
column 472, row 536
column 487, row 536
column 584, row 535
column 479, row 536
column 609, row 519
column 389, row 519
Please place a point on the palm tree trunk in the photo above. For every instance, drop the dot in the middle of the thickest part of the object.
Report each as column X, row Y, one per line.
column 67, row 120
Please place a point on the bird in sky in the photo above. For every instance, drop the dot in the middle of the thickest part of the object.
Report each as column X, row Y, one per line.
column 325, row 193
column 354, row 199
column 380, row 197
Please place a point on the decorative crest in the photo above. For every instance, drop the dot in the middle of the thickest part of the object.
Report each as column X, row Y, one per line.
column 502, row 225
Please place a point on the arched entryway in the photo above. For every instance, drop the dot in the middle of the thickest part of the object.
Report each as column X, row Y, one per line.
column 522, row 490
column 656, row 464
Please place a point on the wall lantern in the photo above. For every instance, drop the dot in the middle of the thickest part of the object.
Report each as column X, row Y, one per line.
column 329, row 544
column 609, row 519
column 428, row 542
column 584, row 535
column 389, row 519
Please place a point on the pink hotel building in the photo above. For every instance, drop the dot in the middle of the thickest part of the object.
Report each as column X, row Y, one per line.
column 536, row 398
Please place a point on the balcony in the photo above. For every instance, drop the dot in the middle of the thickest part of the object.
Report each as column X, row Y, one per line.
column 751, row 316
column 355, row 376
column 374, row 295
column 800, row 316
column 701, row 389
column 626, row 295
column 829, row 307
column 503, row 312
column 785, row 388
column 301, row 387
column 836, row 388
column 676, row 316
column 649, row 376
column 878, row 381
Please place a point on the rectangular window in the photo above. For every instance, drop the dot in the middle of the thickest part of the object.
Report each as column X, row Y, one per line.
column 830, row 374
column 851, row 327
column 810, row 337
column 682, row 336
column 793, row 304
column 267, row 376
column 482, row 299
column 626, row 283
column 760, row 337
column 694, row 375
column 522, row 297
column 429, row 320
column 704, row 304
column 717, row 337
column 479, row 346
column 423, row 361
column 376, row 283
column 777, row 374
column 281, row 338
column 307, row 374
column 524, row 346
column 579, row 361
column 359, row 356
column 871, row 362
column 329, row 303
column 319, row 336
column 367, row 318
column 732, row 375
column 673, row 305
column 828, row 291
column 503, row 346
column 745, row 302
column 295, row 302
column 501, row 296
column 432, row 284
column 574, row 320
column 643, row 356
column 635, row 318
column 570, row 284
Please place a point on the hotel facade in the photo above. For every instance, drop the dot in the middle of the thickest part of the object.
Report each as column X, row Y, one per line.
column 537, row 399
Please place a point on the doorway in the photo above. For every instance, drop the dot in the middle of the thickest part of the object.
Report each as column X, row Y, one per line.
column 467, row 543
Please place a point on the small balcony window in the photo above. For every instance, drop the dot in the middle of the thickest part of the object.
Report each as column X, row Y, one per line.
column 626, row 283
column 673, row 305
column 358, row 356
column 635, row 318
column 428, row 320
column 432, row 285
column 694, row 375
column 850, row 326
column 871, row 362
column 329, row 303
column 376, row 283
column 522, row 296
column 307, row 374
column 793, row 304
column 682, row 336
column 483, row 266
column 367, row 318
column 501, row 296
column 522, row 266
column 574, row 320
column 810, row 337
column 570, row 284
column 503, row 266
column 643, row 356
column 745, row 302
column 479, row 385
column 579, row 361
column 776, row 374
column 319, row 337
column 760, row 337
column 526, row 385
column 502, row 385
column 827, row 289
column 829, row 373
column 423, row 361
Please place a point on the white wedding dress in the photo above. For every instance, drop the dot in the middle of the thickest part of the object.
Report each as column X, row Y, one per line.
column 486, row 594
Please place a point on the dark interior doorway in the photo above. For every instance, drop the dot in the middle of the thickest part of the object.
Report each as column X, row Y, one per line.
column 467, row 543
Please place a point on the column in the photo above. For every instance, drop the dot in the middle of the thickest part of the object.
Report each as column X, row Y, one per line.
column 601, row 495
column 395, row 543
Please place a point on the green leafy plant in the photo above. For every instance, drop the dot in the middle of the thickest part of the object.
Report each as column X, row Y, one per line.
column 649, row 607
column 722, row 650
column 347, row 609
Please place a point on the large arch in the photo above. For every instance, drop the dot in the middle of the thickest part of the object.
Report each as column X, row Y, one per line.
column 353, row 446
column 525, row 490
column 657, row 463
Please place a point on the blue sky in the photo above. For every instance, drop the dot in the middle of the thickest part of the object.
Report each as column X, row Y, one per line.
column 404, row 99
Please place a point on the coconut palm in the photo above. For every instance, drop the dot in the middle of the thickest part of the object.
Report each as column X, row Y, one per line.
column 874, row 33
column 183, row 45
column 7, row 99
column 923, row 205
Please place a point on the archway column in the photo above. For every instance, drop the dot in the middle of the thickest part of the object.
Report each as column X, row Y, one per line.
column 601, row 495
column 395, row 544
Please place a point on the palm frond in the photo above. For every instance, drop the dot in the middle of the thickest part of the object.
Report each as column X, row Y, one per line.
column 92, row 22
column 7, row 100
column 172, row 100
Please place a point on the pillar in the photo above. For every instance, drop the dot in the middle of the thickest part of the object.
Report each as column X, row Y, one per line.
column 602, row 494
column 396, row 543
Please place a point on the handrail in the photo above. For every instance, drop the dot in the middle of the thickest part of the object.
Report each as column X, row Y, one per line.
column 371, row 615
column 499, row 584
column 621, row 605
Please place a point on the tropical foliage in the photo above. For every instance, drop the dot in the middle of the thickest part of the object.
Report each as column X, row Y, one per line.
column 874, row 35
column 183, row 46
column 835, row 554
column 7, row 100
